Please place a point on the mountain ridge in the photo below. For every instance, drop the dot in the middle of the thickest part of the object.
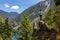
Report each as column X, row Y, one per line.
column 10, row 15
column 32, row 11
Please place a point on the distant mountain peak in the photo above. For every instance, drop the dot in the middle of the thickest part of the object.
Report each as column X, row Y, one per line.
column 33, row 11
column 5, row 14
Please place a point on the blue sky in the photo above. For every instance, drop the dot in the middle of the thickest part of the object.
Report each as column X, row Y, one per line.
column 16, row 5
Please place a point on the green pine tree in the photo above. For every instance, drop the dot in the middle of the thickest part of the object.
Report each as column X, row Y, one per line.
column 26, row 28
column 6, row 30
column 49, row 17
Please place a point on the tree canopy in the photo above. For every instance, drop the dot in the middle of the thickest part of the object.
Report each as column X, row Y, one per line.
column 26, row 28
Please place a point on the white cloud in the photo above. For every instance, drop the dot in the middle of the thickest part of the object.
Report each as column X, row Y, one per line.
column 6, row 5
column 15, row 7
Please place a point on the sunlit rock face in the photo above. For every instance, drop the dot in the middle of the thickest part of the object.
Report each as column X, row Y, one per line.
column 53, row 4
column 33, row 11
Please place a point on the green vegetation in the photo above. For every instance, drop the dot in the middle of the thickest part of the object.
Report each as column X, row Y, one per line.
column 5, row 30
column 52, row 19
column 1, row 19
column 49, row 17
column 25, row 28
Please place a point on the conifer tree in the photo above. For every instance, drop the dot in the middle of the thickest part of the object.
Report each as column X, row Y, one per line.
column 49, row 17
column 6, row 30
column 26, row 28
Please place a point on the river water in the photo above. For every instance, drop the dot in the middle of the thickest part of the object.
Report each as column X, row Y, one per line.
column 15, row 36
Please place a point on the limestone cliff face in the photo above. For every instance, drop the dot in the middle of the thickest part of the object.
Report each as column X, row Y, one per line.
column 33, row 11
column 52, row 3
